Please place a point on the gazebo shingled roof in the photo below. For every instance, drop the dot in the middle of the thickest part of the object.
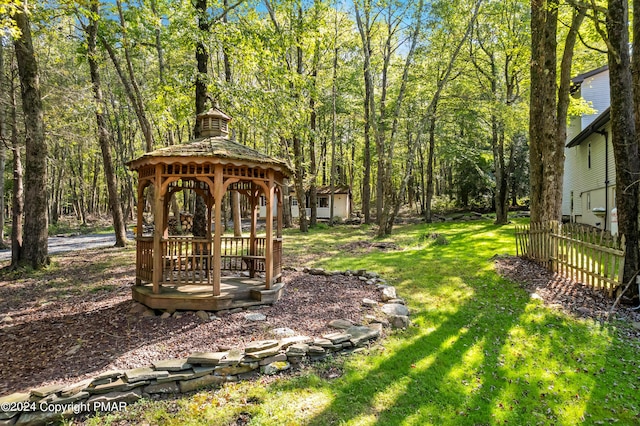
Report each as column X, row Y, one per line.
column 216, row 147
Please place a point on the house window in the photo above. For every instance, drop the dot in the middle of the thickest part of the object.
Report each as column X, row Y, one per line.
column 323, row 202
column 589, row 157
column 263, row 201
column 294, row 202
column 588, row 201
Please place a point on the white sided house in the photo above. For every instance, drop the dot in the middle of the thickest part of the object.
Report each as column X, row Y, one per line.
column 341, row 198
column 589, row 190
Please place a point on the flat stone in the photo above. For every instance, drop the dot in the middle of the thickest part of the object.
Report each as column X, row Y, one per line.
column 202, row 315
column 33, row 418
column 12, row 398
column 72, row 389
column 99, row 401
column 397, row 300
column 323, row 343
column 171, row 364
column 235, row 310
column 399, row 321
column 362, row 278
column 275, row 367
column 233, row 357
column 336, row 338
column 232, row 370
column 15, row 397
column 298, row 349
column 275, row 358
column 169, row 387
column 388, row 293
column 283, row 332
column 316, row 271
column 255, row 316
column 206, row 358
column 137, row 308
column 182, row 376
column 46, row 390
column 341, row 324
column 117, row 386
column 200, row 382
column 288, row 341
column 165, row 315
column 143, row 373
column 392, row 309
column 370, row 303
column 177, row 315
column 203, row 370
column 260, row 345
column 264, row 354
column 149, row 313
column 315, row 350
column 372, row 319
column 361, row 334
column 111, row 374
column 70, row 399
column 636, row 325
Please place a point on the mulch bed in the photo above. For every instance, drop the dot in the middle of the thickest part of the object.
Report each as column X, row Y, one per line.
column 53, row 336
column 565, row 294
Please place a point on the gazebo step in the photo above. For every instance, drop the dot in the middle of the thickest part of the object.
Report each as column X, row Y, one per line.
column 268, row 296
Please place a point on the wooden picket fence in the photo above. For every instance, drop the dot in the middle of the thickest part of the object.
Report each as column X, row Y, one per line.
column 586, row 254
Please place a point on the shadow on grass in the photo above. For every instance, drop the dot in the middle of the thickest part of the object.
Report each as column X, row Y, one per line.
column 424, row 375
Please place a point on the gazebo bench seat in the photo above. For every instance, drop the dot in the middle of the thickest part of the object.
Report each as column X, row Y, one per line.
column 252, row 263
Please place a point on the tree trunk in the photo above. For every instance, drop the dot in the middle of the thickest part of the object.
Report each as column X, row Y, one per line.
column 36, row 218
column 3, row 147
column 368, row 100
column 17, row 210
column 103, row 134
column 623, row 130
column 202, row 59
column 298, row 179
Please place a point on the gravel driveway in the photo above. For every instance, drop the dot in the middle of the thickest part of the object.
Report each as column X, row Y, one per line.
column 63, row 244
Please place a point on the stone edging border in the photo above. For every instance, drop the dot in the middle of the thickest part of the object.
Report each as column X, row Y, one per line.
column 113, row 390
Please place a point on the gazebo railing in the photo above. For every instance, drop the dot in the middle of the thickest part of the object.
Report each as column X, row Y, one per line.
column 144, row 259
column 189, row 260
column 236, row 253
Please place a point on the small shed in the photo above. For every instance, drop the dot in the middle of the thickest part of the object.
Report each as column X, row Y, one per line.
column 214, row 271
column 341, row 199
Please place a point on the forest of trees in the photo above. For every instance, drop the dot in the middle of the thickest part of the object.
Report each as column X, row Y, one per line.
column 415, row 105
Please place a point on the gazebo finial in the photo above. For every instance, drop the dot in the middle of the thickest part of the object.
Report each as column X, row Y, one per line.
column 214, row 123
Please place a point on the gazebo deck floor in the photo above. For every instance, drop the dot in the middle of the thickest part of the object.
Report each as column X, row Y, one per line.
column 235, row 292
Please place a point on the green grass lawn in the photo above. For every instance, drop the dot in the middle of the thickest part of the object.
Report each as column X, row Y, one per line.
column 479, row 352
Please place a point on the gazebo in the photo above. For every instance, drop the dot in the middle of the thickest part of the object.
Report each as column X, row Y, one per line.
column 214, row 271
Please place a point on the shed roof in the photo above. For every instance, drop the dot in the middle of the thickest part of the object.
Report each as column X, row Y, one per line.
column 211, row 148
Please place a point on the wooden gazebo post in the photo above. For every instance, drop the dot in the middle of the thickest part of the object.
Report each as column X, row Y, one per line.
column 268, row 249
column 158, row 229
column 218, row 186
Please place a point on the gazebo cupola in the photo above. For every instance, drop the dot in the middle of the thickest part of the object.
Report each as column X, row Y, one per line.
column 209, row 271
column 213, row 123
